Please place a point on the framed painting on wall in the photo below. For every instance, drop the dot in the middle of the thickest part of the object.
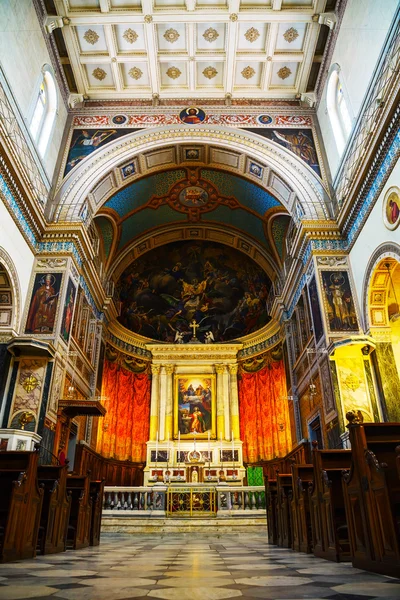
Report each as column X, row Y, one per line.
column 44, row 302
column 339, row 304
column 315, row 309
column 194, row 406
column 68, row 312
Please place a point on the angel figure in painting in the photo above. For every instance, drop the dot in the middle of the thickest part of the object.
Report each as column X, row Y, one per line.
column 209, row 337
column 178, row 337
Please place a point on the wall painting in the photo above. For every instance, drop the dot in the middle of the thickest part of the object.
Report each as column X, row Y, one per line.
column 68, row 312
column 315, row 309
column 43, row 305
column 194, row 406
column 339, row 303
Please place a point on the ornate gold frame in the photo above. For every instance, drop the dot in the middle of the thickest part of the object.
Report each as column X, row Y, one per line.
column 196, row 376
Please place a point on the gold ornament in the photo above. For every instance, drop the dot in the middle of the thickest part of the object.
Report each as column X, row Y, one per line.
column 171, row 35
column 99, row 74
column 248, row 72
column 284, row 73
column 130, row 36
column 148, row 19
column 135, row 73
column 210, row 35
column 291, row 35
column 30, row 383
column 210, row 72
column 174, row 72
column 252, row 34
column 91, row 37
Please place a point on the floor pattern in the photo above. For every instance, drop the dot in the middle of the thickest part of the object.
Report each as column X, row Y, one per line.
column 180, row 568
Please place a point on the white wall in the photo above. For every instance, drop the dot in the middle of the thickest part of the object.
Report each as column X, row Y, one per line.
column 23, row 53
column 16, row 247
column 374, row 234
column 362, row 33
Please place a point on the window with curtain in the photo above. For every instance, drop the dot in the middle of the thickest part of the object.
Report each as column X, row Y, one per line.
column 338, row 109
column 44, row 113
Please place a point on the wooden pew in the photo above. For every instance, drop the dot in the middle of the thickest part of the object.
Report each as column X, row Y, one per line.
column 372, row 494
column 96, row 495
column 271, row 492
column 284, row 518
column 327, row 505
column 55, row 510
column 20, row 505
column 80, row 515
column 303, row 476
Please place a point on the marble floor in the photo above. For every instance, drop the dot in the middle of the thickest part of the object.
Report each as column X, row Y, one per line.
column 182, row 568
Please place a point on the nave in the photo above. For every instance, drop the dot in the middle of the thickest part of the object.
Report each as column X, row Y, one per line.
column 179, row 567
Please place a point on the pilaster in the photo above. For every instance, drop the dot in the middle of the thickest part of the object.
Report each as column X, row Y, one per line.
column 155, row 400
column 234, row 397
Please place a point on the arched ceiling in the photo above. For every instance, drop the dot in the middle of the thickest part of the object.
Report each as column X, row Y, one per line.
column 192, row 195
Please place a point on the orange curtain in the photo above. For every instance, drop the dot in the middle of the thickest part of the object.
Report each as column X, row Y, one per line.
column 264, row 413
column 125, row 429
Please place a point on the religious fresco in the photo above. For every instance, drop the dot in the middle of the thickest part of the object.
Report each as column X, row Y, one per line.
column 86, row 141
column 68, row 312
column 297, row 140
column 43, row 305
column 338, row 300
column 192, row 115
column 220, row 288
column 315, row 309
column 194, row 406
column 391, row 208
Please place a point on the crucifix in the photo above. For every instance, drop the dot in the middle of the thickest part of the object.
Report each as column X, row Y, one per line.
column 193, row 325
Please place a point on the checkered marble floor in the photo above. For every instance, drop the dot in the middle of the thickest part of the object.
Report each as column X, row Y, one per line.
column 183, row 568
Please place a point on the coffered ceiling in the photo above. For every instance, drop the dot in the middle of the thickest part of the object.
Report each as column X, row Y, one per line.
column 190, row 48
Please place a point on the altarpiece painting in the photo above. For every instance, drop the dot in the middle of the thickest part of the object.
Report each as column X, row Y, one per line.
column 195, row 406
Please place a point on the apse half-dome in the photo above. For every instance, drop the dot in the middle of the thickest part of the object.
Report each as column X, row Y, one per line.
column 219, row 287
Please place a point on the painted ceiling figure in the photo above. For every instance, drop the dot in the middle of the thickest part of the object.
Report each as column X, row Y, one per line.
column 191, row 118
column 300, row 144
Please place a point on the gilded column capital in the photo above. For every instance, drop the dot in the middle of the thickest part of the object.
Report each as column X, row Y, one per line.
column 233, row 369
column 155, row 369
column 169, row 369
column 220, row 369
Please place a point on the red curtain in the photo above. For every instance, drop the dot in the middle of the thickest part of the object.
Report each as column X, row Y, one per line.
column 264, row 413
column 125, row 428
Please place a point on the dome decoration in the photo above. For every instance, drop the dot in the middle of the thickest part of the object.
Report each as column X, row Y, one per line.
column 223, row 290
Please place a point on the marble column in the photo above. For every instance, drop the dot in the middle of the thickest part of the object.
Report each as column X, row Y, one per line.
column 163, row 403
column 169, row 408
column 155, row 399
column 227, row 412
column 220, row 401
column 233, row 384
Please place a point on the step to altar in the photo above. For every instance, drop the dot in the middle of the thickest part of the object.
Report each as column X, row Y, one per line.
column 210, row 525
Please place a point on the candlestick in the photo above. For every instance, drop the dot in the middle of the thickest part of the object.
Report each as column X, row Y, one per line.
column 209, row 446
column 221, row 448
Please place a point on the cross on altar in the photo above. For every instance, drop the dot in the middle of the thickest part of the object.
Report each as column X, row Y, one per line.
column 193, row 325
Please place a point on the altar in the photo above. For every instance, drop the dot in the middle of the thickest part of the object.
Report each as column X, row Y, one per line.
column 194, row 415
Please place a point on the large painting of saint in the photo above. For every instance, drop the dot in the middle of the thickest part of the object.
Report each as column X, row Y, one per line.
column 68, row 311
column 218, row 287
column 339, row 303
column 299, row 141
column 43, row 305
column 315, row 309
column 86, row 141
column 194, row 406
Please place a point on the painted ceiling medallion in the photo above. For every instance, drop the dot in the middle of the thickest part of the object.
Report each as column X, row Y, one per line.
column 99, row 74
column 252, row 34
column 284, row 73
column 171, row 35
column 135, row 73
column 130, row 36
column 174, row 73
column 210, row 72
column 248, row 72
column 91, row 37
column 210, row 34
column 291, row 35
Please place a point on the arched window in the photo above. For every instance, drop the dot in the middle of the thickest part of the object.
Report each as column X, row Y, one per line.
column 44, row 113
column 338, row 109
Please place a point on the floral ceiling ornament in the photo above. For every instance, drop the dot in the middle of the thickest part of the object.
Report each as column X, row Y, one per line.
column 284, row 73
column 252, row 34
column 148, row 19
column 171, row 35
column 135, row 73
column 210, row 72
column 91, row 37
column 248, row 72
column 174, row 73
column 130, row 36
column 291, row 35
column 210, row 34
column 99, row 74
